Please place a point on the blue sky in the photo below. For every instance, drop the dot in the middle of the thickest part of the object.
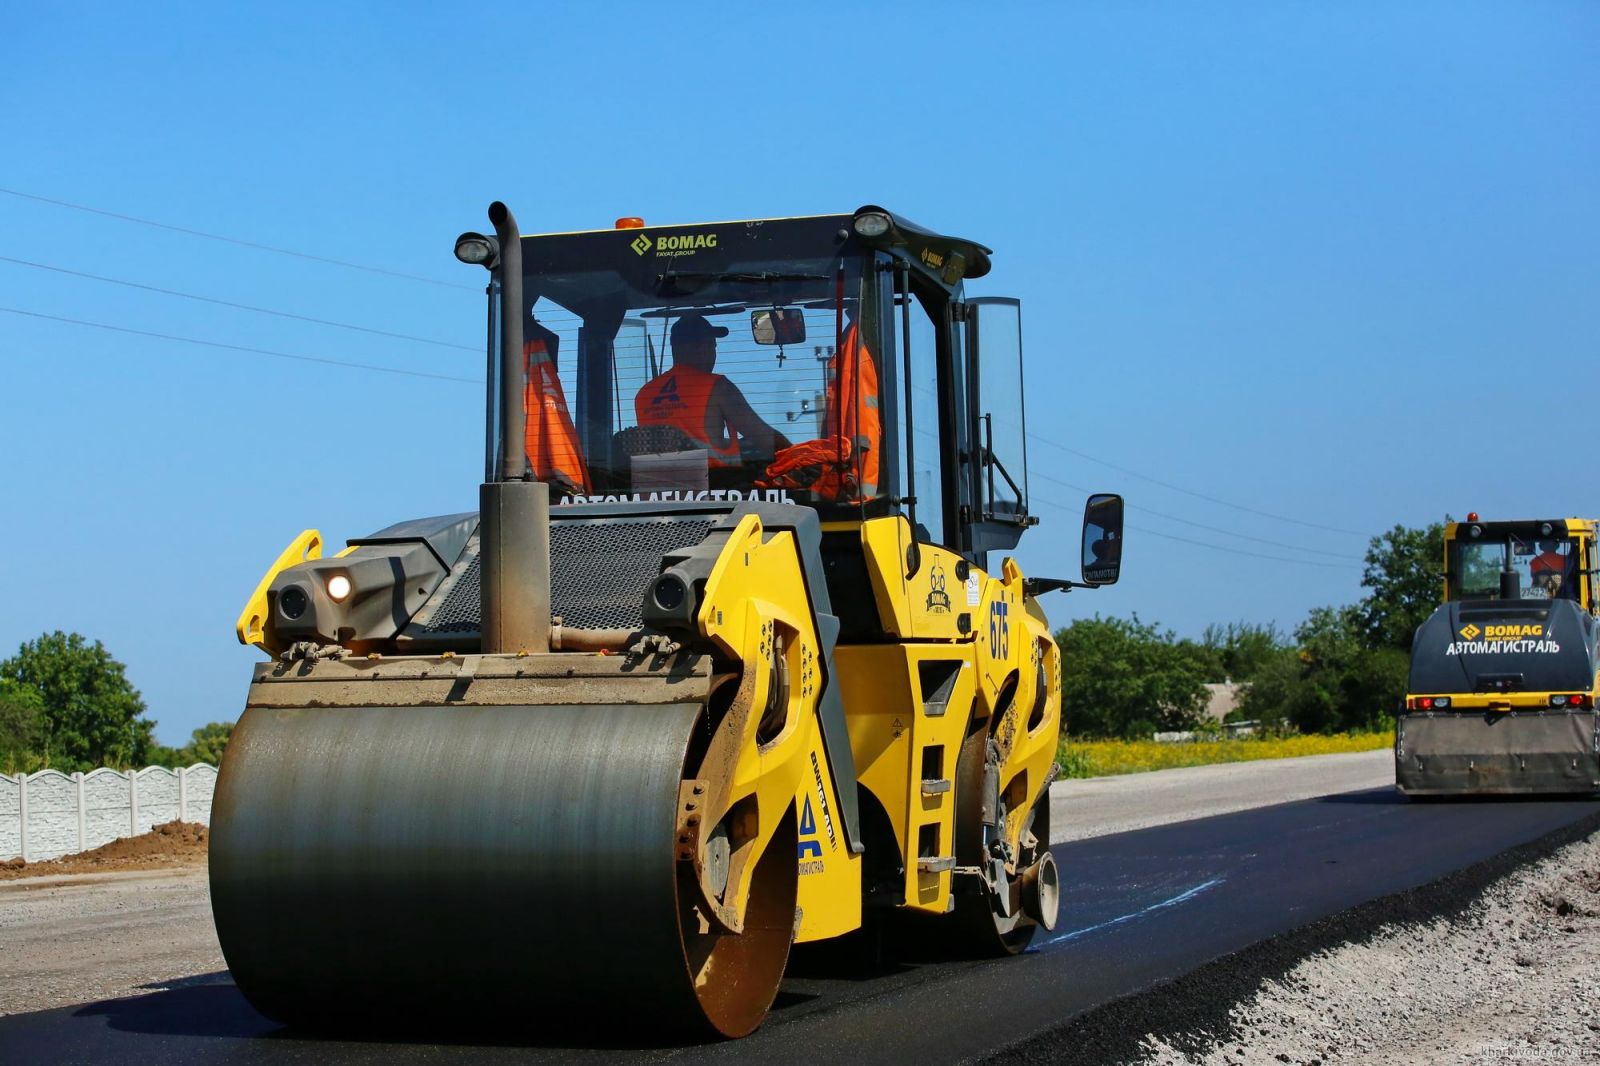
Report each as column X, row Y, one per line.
column 1279, row 255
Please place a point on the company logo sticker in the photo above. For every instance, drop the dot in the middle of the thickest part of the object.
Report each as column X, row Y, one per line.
column 938, row 599
column 811, row 861
column 672, row 245
column 1470, row 632
column 822, row 801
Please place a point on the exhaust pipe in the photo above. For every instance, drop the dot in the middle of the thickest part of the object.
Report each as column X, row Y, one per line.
column 514, row 512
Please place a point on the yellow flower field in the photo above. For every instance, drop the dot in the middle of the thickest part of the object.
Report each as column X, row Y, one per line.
column 1099, row 758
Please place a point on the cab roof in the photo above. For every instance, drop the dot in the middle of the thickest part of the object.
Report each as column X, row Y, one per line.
column 944, row 259
column 1529, row 527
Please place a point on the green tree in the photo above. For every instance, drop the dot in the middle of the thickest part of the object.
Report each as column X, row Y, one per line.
column 1403, row 580
column 1126, row 678
column 1241, row 649
column 21, row 727
column 1331, row 681
column 93, row 716
column 206, row 744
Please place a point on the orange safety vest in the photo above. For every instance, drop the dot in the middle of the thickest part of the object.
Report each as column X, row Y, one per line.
column 853, row 410
column 551, row 441
column 681, row 397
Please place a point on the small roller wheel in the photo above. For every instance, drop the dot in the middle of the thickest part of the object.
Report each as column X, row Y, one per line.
column 979, row 926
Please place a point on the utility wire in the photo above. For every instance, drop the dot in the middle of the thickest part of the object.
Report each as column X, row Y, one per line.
column 1204, row 544
column 1191, row 492
column 469, row 381
column 243, row 348
column 241, row 243
column 1202, row 525
column 241, row 307
column 443, row 377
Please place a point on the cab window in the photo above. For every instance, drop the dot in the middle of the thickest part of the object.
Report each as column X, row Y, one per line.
column 753, row 382
column 995, row 325
column 1544, row 567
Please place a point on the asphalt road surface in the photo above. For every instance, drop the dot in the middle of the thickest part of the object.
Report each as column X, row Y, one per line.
column 1139, row 907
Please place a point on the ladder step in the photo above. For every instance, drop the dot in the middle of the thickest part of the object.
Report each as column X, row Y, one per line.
column 936, row 866
column 932, row 786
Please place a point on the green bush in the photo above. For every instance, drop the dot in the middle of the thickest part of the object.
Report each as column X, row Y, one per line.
column 1126, row 678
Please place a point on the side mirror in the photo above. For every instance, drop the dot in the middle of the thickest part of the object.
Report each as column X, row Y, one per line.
column 1102, row 539
column 778, row 325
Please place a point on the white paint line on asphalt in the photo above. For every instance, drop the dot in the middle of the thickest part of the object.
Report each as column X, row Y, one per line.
column 1182, row 897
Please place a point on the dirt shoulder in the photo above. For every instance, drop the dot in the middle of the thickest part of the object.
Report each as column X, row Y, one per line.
column 115, row 921
column 77, row 938
column 1099, row 806
column 1516, row 978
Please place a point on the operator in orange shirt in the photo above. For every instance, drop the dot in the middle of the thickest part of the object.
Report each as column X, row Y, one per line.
column 706, row 406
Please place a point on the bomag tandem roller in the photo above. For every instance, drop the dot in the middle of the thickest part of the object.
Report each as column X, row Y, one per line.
column 1501, row 697
column 726, row 660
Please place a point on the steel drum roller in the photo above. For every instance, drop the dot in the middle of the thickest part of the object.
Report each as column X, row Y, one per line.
column 477, row 862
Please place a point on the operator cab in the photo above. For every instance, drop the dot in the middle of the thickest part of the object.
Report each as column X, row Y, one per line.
column 1525, row 560
column 832, row 361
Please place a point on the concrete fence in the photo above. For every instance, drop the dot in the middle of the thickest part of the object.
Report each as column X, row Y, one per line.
column 48, row 814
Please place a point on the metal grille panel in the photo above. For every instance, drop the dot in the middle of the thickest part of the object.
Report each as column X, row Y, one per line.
column 599, row 571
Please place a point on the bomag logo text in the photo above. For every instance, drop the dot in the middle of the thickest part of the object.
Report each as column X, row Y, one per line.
column 1512, row 632
column 671, row 245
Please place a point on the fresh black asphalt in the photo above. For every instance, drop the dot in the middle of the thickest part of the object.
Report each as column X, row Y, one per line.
column 1140, row 908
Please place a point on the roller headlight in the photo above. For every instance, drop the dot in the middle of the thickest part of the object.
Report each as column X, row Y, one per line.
column 476, row 248
column 669, row 592
column 871, row 224
column 338, row 587
column 293, row 602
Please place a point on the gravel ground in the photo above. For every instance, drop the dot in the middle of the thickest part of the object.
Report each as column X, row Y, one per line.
column 1099, row 806
column 1516, row 978
column 76, row 939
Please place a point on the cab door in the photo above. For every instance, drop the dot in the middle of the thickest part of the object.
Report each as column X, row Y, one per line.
column 997, row 424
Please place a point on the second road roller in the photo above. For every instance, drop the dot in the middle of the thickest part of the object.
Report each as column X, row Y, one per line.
column 729, row 657
column 1505, row 674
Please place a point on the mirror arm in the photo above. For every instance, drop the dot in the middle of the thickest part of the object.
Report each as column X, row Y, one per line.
column 1038, row 586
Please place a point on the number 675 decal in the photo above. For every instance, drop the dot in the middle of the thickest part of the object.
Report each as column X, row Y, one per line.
column 1000, row 630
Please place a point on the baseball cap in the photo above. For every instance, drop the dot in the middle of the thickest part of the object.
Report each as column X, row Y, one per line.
column 695, row 328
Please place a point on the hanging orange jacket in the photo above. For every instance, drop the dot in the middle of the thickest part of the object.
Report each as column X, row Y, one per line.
column 681, row 397
column 853, row 410
column 820, row 466
column 552, row 441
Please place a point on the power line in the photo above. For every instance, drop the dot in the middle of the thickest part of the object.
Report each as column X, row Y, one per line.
column 469, row 381
column 1197, row 495
column 241, row 243
column 1204, row 544
column 239, row 306
column 446, row 344
column 1202, row 525
column 243, row 348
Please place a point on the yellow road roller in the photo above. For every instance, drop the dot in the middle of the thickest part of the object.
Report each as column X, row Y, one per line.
column 728, row 658
column 1505, row 673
